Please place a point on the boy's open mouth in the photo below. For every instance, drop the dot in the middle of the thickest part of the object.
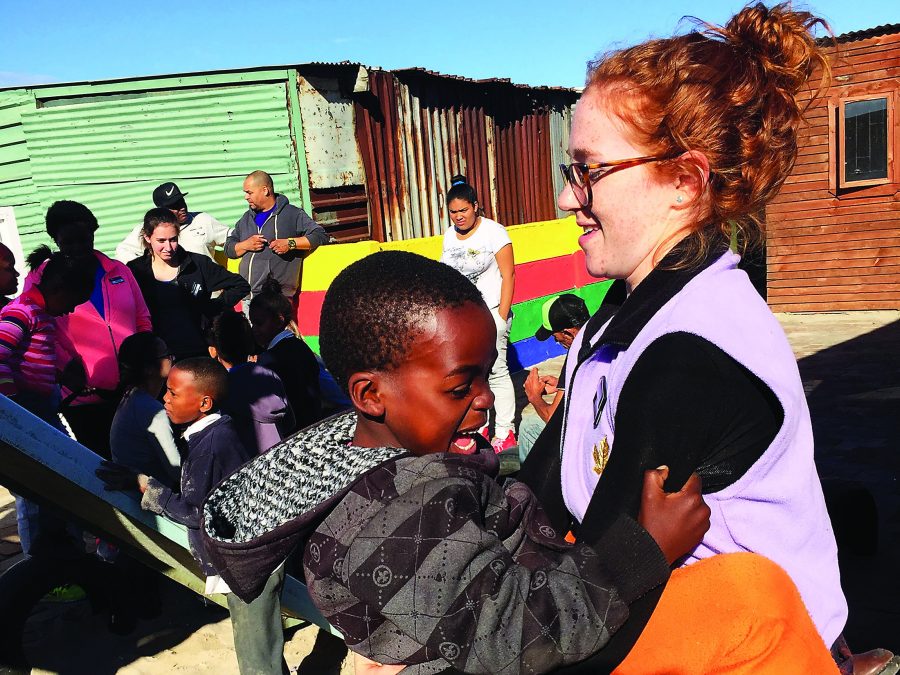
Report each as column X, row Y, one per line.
column 463, row 442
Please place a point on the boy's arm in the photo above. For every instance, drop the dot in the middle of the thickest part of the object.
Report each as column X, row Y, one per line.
column 437, row 564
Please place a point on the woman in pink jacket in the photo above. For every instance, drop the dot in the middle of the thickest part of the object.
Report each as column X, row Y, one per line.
column 89, row 337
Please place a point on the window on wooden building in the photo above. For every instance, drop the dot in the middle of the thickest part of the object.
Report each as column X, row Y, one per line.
column 864, row 138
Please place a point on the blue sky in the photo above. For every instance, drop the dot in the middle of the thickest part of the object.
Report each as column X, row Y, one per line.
column 528, row 41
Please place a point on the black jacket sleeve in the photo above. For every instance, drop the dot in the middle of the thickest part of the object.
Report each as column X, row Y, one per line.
column 216, row 278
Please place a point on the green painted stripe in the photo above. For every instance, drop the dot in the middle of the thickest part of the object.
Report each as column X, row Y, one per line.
column 312, row 341
column 528, row 315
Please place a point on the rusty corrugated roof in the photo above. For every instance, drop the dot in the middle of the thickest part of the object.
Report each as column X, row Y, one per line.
column 488, row 80
column 877, row 31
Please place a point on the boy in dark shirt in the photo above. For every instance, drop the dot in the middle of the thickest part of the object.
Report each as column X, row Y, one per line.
column 418, row 556
column 194, row 389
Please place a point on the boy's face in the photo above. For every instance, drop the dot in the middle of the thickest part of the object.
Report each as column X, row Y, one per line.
column 440, row 390
column 183, row 402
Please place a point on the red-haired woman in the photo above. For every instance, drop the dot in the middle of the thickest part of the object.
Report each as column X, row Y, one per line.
column 677, row 146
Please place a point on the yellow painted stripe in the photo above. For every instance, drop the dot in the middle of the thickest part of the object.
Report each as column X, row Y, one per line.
column 531, row 242
column 548, row 239
column 326, row 262
column 430, row 247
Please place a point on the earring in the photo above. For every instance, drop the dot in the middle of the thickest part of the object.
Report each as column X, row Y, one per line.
column 679, row 199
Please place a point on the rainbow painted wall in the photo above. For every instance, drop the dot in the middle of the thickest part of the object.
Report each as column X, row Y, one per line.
column 548, row 262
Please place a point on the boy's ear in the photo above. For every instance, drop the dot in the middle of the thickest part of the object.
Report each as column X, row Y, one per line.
column 213, row 353
column 364, row 393
column 206, row 403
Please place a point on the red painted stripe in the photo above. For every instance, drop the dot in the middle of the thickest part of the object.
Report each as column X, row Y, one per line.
column 543, row 277
column 309, row 308
column 582, row 278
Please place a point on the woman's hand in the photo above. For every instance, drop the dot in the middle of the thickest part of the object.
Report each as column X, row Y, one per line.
column 676, row 520
column 364, row 666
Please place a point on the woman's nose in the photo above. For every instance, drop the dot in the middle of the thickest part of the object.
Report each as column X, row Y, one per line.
column 566, row 200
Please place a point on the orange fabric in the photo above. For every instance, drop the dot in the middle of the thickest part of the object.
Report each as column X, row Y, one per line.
column 736, row 613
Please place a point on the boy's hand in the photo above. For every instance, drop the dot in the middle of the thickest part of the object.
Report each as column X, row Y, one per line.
column 363, row 666
column 676, row 520
column 118, row 477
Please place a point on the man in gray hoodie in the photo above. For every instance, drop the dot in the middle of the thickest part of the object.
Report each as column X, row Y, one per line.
column 272, row 237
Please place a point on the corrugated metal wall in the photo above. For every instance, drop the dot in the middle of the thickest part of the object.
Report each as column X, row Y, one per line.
column 560, row 124
column 378, row 148
column 336, row 175
column 109, row 152
column 16, row 185
column 415, row 130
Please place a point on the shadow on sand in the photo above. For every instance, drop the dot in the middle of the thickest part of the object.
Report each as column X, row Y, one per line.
column 853, row 391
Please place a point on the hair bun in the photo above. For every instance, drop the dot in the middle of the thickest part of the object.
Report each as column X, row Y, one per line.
column 780, row 39
column 458, row 179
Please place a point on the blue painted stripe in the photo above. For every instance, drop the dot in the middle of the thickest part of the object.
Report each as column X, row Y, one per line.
column 526, row 353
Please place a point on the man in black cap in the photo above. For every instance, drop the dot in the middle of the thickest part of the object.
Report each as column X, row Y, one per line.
column 199, row 231
column 561, row 317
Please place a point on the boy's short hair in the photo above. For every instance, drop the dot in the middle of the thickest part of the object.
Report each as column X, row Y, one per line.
column 375, row 308
column 210, row 377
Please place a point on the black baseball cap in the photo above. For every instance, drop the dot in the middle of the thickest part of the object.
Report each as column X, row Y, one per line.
column 167, row 195
column 563, row 311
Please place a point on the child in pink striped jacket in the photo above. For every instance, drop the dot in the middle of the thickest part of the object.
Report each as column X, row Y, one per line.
column 28, row 334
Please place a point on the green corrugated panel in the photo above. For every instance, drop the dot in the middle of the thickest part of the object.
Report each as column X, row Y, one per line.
column 16, row 187
column 14, row 165
column 177, row 134
column 111, row 152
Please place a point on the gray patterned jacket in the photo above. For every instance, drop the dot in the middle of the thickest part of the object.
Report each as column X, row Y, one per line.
column 427, row 561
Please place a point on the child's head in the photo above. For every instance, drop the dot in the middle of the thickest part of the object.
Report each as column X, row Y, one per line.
column 270, row 312
column 9, row 275
column 143, row 357
column 64, row 283
column 412, row 342
column 230, row 338
column 194, row 389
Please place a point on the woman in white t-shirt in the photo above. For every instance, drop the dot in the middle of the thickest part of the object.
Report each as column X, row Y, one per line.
column 480, row 248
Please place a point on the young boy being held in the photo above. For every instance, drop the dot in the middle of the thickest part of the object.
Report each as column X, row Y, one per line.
column 417, row 556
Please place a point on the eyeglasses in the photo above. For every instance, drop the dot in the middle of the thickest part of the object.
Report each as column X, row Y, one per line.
column 578, row 174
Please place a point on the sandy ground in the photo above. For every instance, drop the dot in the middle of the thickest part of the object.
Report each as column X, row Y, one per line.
column 188, row 636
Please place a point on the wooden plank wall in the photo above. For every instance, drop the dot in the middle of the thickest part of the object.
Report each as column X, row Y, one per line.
column 829, row 250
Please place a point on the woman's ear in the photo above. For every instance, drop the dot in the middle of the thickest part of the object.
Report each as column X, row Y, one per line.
column 691, row 178
column 364, row 393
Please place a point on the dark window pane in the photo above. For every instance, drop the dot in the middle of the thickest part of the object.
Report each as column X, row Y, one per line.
column 865, row 140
